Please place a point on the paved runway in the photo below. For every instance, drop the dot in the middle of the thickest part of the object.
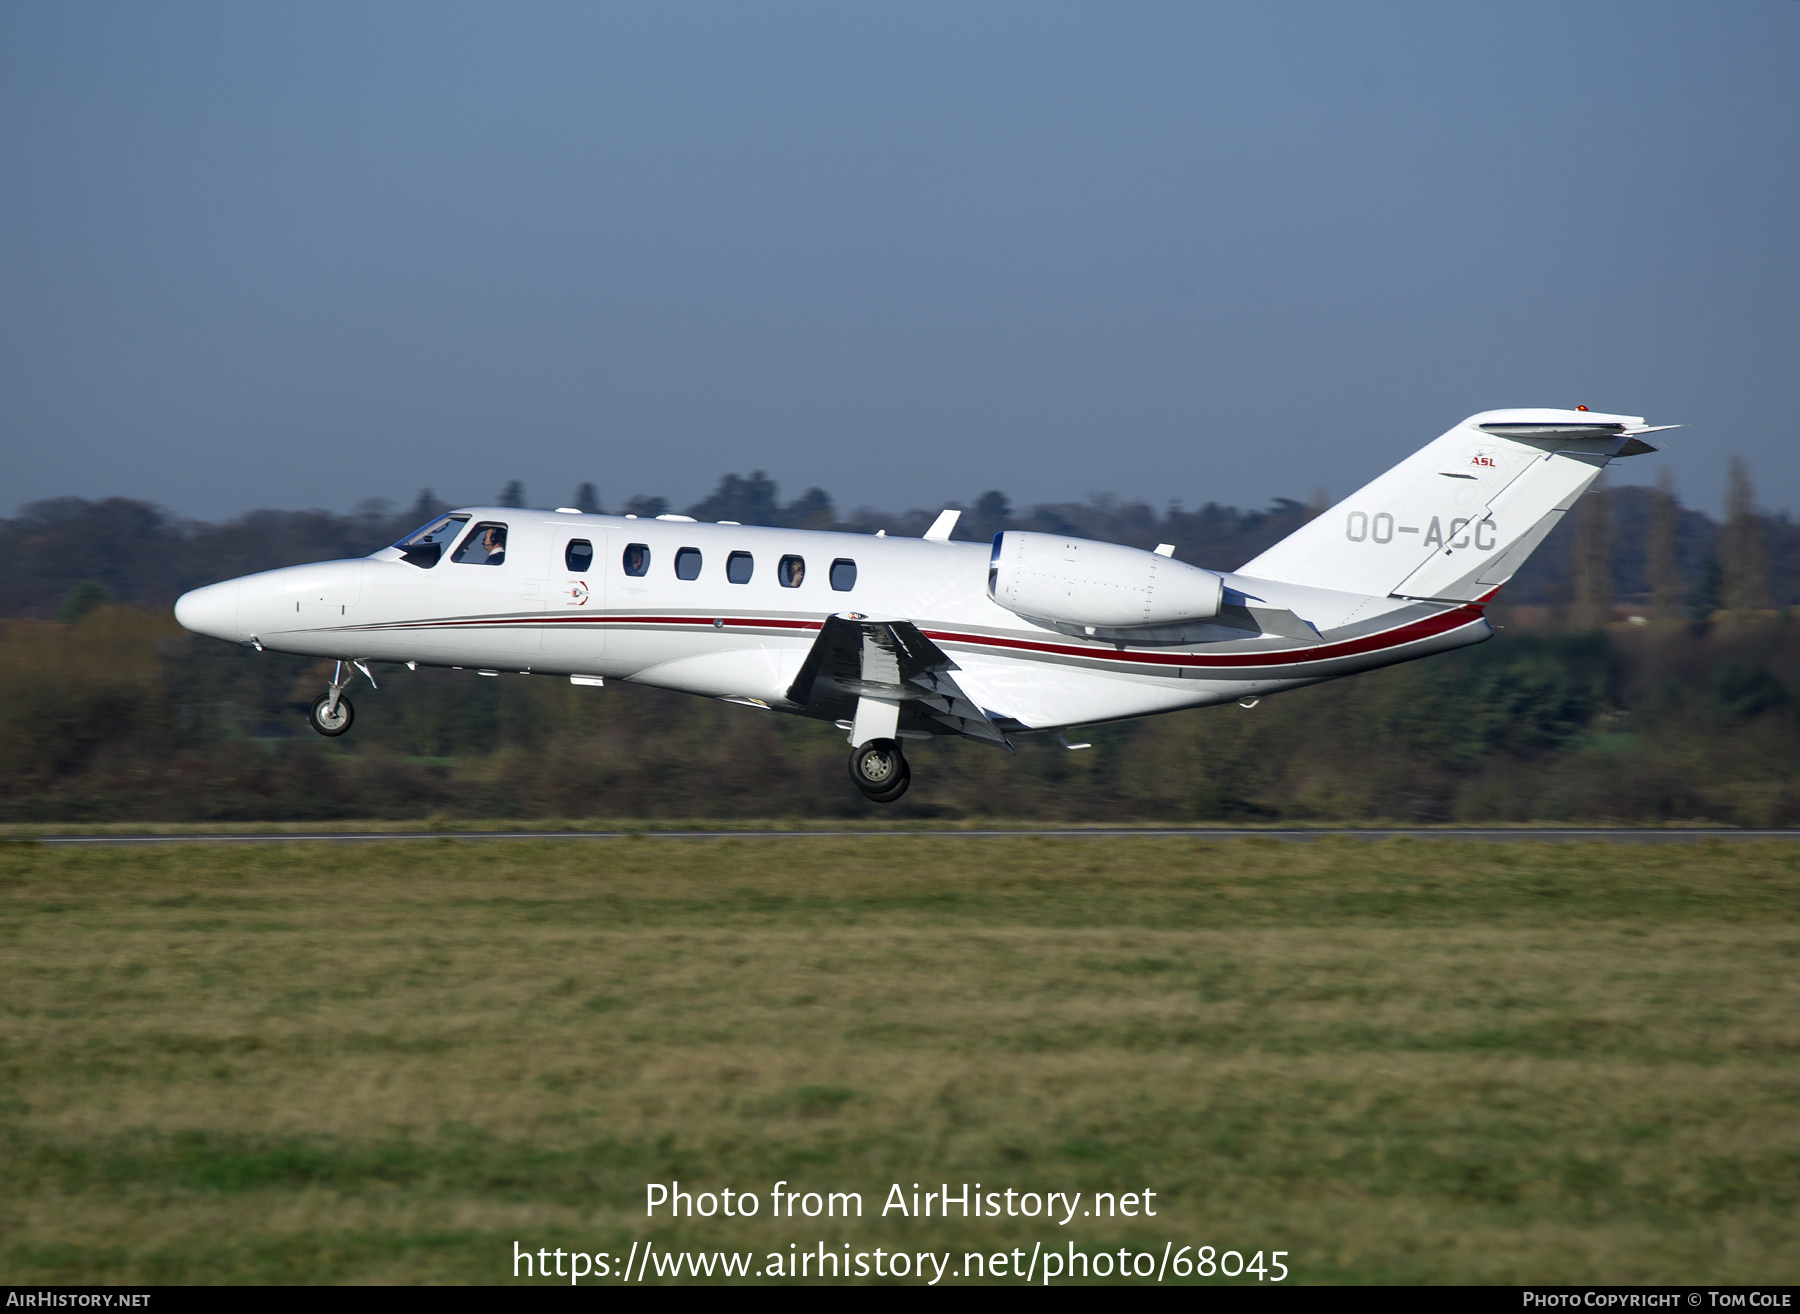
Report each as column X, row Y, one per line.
column 1620, row 835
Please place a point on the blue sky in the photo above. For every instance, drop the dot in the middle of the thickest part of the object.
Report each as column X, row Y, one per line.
column 262, row 256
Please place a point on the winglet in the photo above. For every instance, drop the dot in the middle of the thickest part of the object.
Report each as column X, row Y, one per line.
column 941, row 527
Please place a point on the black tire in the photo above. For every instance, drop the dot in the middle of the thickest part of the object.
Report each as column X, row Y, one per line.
column 880, row 771
column 327, row 725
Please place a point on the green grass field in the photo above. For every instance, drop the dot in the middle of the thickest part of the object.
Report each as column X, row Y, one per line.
column 1411, row 1061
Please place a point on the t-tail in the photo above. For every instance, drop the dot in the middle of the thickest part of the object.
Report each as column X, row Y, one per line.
column 1456, row 520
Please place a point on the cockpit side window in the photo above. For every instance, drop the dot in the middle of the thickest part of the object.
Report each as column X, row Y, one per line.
column 485, row 545
column 424, row 546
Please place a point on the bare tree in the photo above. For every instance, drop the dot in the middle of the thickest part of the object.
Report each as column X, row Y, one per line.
column 1746, row 563
column 1665, row 579
column 1593, row 563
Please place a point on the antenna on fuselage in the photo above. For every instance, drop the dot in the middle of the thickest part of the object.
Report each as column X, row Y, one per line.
column 941, row 527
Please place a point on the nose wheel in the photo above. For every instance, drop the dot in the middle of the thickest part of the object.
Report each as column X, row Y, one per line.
column 330, row 720
column 880, row 771
column 332, row 714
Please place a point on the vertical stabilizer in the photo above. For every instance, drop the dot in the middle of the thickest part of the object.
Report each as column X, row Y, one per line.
column 1457, row 519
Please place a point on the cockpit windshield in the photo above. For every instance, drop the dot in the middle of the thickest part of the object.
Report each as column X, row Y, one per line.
column 424, row 546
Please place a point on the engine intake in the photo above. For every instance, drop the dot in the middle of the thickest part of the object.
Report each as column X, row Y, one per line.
column 1075, row 581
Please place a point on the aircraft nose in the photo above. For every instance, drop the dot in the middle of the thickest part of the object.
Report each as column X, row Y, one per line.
column 212, row 611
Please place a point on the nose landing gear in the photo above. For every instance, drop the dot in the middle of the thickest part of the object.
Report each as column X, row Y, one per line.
column 879, row 770
column 332, row 714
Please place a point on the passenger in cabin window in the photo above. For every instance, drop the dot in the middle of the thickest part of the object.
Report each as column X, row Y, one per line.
column 793, row 572
column 636, row 559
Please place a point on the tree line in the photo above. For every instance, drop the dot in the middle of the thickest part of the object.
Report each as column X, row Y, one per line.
column 1626, row 545
column 1645, row 671
column 120, row 716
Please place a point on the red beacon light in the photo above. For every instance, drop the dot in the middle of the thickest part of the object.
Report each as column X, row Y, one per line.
column 1581, row 408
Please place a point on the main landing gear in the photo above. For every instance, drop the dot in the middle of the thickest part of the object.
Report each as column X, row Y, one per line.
column 332, row 714
column 879, row 770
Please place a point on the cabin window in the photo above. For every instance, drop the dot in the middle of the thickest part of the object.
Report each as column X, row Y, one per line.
column 637, row 559
column 739, row 567
column 687, row 563
column 843, row 574
column 485, row 545
column 791, row 572
column 579, row 555
column 423, row 547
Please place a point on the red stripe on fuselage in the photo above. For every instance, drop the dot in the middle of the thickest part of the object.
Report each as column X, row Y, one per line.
column 1429, row 627
column 1414, row 632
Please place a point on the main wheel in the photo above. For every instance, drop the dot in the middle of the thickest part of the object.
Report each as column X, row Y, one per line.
column 879, row 770
column 325, row 721
column 894, row 790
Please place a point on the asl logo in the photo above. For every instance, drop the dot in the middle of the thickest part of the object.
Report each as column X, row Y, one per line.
column 1484, row 460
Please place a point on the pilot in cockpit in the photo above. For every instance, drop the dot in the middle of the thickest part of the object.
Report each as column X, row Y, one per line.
column 486, row 546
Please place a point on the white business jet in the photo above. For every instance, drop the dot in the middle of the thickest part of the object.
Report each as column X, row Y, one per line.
column 900, row 639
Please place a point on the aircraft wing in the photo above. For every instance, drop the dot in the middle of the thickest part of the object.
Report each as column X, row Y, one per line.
column 856, row 657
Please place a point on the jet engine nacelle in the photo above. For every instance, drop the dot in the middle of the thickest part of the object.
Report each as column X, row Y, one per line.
column 1074, row 581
